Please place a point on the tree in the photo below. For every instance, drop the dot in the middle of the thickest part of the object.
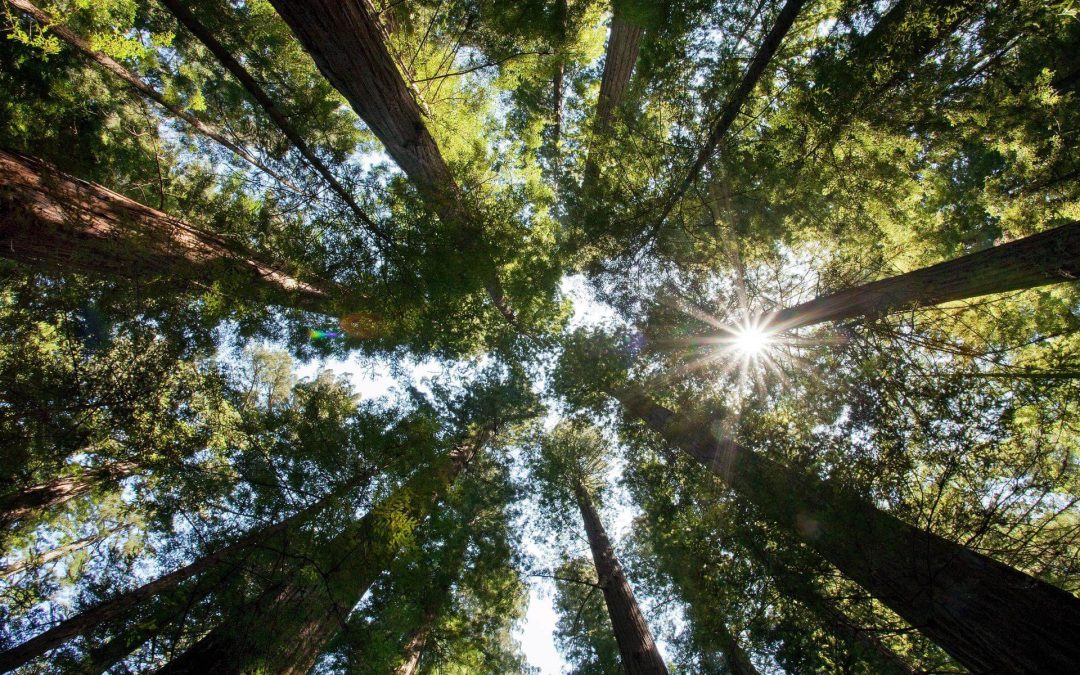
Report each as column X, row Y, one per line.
column 912, row 571
column 570, row 460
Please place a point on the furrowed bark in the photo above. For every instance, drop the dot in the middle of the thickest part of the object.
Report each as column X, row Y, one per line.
column 346, row 40
column 188, row 19
column 286, row 629
column 1049, row 257
column 59, row 222
column 986, row 615
column 17, row 506
column 621, row 56
column 143, row 88
column 734, row 103
column 636, row 647
column 118, row 606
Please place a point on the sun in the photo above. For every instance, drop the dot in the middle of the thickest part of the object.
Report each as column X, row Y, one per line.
column 750, row 340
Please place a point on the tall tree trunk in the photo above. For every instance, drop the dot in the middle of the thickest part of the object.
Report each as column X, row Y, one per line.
column 621, row 56
column 734, row 103
column 17, row 506
column 636, row 647
column 1049, row 257
column 986, row 615
column 188, row 19
column 346, row 40
column 142, row 87
column 416, row 644
column 119, row 606
column 286, row 628
column 57, row 221
column 624, row 42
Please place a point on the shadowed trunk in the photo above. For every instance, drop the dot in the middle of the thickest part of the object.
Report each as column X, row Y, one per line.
column 286, row 628
column 624, row 42
column 17, row 506
column 986, row 615
column 142, row 87
column 415, row 645
column 1049, row 257
column 346, row 40
column 236, row 69
column 119, row 606
column 59, row 222
column 636, row 647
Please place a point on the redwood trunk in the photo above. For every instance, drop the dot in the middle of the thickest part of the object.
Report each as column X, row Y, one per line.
column 621, row 56
column 1049, row 257
column 285, row 629
column 17, row 506
column 415, row 645
column 50, row 219
column 117, row 607
column 636, row 646
column 986, row 615
column 346, row 40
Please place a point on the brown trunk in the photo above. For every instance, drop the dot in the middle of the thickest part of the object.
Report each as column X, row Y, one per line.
column 57, row 221
column 346, row 40
column 986, row 615
column 1046, row 258
column 636, row 646
column 117, row 607
column 734, row 102
column 286, row 629
column 143, row 88
column 415, row 645
column 621, row 56
column 236, row 69
column 17, row 506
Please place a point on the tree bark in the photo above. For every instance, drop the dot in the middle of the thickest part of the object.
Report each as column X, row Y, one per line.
column 17, row 506
column 415, row 645
column 117, row 607
column 188, row 19
column 53, row 220
column 986, row 615
column 285, row 629
column 346, row 40
column 636, row 647
column 109, row 64
column 621, row 56
column 1049, row 257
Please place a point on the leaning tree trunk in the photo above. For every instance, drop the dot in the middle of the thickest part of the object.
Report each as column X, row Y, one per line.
column 986, row 615
column 620, row 57
column 286, row 628
column 1049, row 257
column 17, row 506
column 56, row 221
column 118, row 607
column 346, row 40
column 38, row 559
column 636, row 647
column 111, row 65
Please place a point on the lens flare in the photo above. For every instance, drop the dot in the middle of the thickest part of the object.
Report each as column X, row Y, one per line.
column 322, row 334
column 750, row 340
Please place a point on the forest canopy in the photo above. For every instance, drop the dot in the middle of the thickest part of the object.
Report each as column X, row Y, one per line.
column 343, row 336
